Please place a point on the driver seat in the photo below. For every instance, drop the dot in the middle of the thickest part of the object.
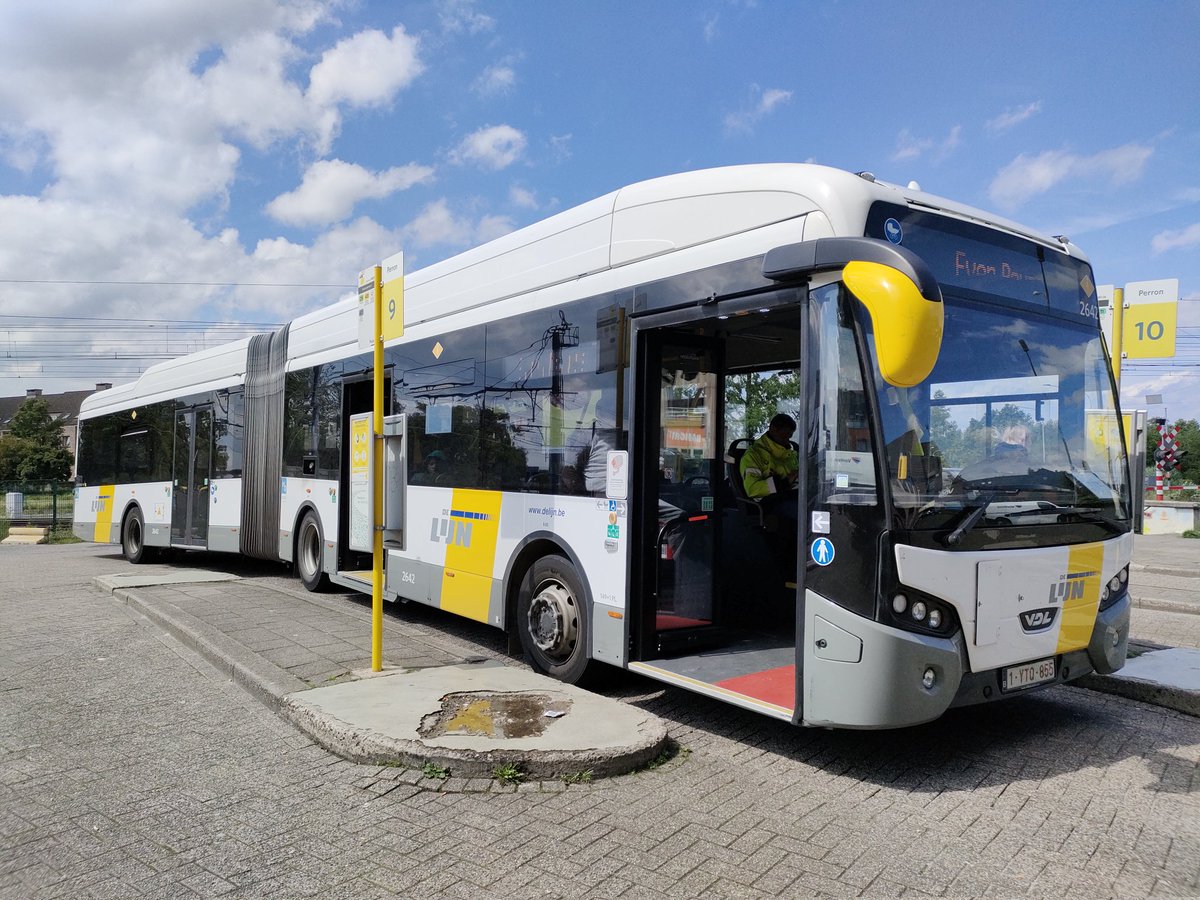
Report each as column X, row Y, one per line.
column 733, row 471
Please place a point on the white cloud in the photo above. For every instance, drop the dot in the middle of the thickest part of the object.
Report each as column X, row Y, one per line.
column 522, row 197
column 493, row 147
column 366, row 69
column 910, row 147
column 1012, row 117
column 492, row 227
column 1172, row 240
column 1027, row 176
column 495, row 80
column 459, row 16
column 560, row 147
column 438, row 225
column 331, row 189
column 762, row 104
column 149, row 101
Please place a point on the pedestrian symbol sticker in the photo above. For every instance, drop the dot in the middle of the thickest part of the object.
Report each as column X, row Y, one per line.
column 822, row 551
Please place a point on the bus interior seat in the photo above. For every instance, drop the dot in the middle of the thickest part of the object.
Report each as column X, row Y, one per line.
column 733, row 470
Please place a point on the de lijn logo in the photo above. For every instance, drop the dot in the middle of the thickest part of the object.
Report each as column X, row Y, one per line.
column 1069, row 587
column 451, row 531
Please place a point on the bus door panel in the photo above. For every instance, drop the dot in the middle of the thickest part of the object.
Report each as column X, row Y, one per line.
column 683, row 412
column 358, row 396
column 192, row 477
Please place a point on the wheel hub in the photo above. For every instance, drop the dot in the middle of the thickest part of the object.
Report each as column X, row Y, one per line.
column 552, row 620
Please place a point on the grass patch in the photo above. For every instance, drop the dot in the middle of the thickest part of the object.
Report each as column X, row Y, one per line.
column 670, row 752
column 508, row 774
column 433, row 770
column 584, row 777
column 1192, row 533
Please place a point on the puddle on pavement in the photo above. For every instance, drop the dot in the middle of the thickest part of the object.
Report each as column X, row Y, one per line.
column 494, row 715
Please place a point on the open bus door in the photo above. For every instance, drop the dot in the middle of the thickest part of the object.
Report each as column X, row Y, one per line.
column 681, row 478
column 715, row 601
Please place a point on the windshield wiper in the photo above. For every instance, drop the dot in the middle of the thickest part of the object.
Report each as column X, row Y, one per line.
column 978, row 509
column 1091, row 514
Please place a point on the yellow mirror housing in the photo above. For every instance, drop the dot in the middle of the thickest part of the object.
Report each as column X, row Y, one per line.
column 908, row 326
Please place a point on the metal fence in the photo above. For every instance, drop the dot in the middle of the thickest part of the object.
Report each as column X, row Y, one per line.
column 49, row 504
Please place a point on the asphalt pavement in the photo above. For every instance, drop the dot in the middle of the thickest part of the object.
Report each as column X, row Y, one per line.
column 432, row 710
column 130, row 767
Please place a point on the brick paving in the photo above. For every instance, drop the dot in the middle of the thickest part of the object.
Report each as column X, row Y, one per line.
column 130, row 768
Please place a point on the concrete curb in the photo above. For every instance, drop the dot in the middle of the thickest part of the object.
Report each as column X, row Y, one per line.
column 367, row 745
column 1163, row 605
column 264, row 681
column 1136, row 568
column 1144, row 691
column 284, row 694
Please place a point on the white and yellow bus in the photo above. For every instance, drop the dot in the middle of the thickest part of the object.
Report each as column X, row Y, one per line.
column 574, row 399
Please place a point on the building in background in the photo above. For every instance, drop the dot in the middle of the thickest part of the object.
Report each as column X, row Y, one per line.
column 63, row 407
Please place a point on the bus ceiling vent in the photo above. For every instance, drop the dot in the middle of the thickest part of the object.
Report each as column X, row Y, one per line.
column 867, row 176
column 914, row 185
column 1062, row 239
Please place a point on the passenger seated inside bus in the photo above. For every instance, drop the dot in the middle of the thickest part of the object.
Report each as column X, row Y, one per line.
column 433, row 471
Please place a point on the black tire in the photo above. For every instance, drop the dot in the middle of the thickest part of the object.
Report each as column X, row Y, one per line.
column 133, row 538
column 552, row 620
column 310, row 553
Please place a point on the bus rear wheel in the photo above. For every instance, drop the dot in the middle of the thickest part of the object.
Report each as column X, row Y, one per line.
column 552, row 620
column 133, row 538
column 310, row 553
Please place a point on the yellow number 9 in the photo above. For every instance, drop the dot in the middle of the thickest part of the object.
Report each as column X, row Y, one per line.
column 391, row 309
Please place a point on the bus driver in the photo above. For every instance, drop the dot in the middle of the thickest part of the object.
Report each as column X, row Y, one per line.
column 770, row 468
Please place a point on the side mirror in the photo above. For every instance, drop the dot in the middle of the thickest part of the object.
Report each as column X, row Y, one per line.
column 893, row 283
column 908, row 326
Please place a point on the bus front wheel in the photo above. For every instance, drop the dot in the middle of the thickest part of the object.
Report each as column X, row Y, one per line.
column 552, row 620
column 310, row 553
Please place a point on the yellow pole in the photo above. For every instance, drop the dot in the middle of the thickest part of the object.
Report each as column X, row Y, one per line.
column 377, row 477
column 1118, row 334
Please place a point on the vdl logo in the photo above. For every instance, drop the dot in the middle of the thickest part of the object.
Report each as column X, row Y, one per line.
column 1038, row 619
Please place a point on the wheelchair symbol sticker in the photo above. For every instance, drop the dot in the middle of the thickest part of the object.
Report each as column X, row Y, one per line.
column 822, row 551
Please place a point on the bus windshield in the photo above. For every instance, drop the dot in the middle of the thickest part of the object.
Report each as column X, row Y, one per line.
column 1015, row 426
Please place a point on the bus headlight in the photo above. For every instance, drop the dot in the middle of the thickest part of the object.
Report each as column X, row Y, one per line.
column 1115, row 588
column 917, row 611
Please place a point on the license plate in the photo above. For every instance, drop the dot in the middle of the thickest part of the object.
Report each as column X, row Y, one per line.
column 1027, row 674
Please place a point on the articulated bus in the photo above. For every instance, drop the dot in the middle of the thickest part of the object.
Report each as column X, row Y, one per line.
column 567, row 408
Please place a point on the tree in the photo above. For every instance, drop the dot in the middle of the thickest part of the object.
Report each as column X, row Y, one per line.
column 34, row 449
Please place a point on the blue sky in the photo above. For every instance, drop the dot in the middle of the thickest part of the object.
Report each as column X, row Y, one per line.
column 176, row 144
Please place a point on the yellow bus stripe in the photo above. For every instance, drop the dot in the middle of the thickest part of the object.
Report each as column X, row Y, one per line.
column 473, row 530
column 104, row 514
column 1084, row 566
